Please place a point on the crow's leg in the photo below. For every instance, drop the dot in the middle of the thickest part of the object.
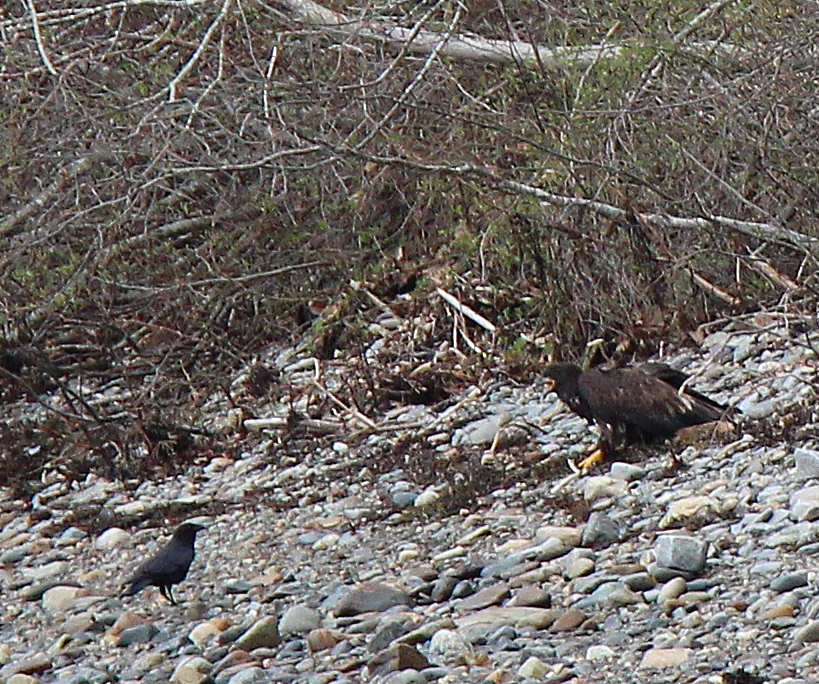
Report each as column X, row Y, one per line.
column 165, row 590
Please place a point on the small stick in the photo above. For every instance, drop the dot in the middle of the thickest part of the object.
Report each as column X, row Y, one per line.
column 461, row 308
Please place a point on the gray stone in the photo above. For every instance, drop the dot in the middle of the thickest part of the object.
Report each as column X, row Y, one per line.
column 601, row 531
column 403, row 499
column 298, row 620
column 20, row 678
column 36, row 663
column 390, row 629
column 743, row 347
column 568, row 621
column 442, row 589
column 507, row 567
column 807, row 463
column 626, row 471
column 546, row 551
column 639, row 581
column 79, row 623
column 805, row 504
column 14, row 555
column 250, row 675
column 427, row 499
column 47, row 571
column 310, row 538
column 531, row 595
column 366, row 598
column 138, row 634
column 807, row 634
column 489, row 596
column 681, row 552
column 396, row 658
column 264, row 633
column 570, row 536
column 756, row 410
column 672, row 589
column 533, row 668
column 586, row 585
column 408, row 676
column 794, row 536
column 622, row 596
column 789, row 582
column 661, row 658
column 321, row 640
column 463, row 589
column 497, row 616
column 71, row 535
column 578, row 567
column 481, row 431
column 609, row 593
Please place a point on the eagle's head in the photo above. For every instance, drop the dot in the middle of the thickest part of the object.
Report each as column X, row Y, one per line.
column 564, row 378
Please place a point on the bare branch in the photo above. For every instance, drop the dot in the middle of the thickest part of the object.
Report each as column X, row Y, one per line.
column 72, row 14
column 64, row 177
column 712, row 289
column 38, row 38
column 771, row 232
column 459, row 47
column 203, row 44
column 467, row 311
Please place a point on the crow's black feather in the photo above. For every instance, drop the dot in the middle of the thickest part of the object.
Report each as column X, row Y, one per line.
column 168, row 566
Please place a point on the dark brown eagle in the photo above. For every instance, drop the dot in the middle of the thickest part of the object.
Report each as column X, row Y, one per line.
column 640, row 404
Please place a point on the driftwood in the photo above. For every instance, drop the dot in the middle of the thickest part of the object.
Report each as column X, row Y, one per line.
column 476, row 48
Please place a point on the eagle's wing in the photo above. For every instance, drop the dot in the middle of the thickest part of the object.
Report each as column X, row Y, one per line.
column 629, row 397
column 676, row 378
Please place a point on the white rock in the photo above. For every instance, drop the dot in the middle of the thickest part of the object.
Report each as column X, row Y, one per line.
column 205, row 631
column 672, row 589
column 804, row 504
column 599, row 653
column 328, row 541
column 449, row 646
column 136, row 508
column 660, row 658
column 45, row 571
column 533, row 668
column 703, row 508
column 429, row 497
column 20, row 678
column 112, row 538
column 192, row 670
column 601, row 486
column 59, row 599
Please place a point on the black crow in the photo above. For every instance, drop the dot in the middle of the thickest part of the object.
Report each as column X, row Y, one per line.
column 168, row 566
column 632, row 405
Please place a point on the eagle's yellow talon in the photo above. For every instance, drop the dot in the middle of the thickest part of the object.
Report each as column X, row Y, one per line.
column 591, row 460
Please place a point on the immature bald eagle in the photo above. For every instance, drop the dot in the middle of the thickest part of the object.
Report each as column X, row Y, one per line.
column 631, row 405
